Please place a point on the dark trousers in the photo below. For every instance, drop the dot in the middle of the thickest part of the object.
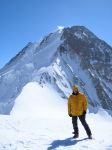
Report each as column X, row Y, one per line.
column 84, row 123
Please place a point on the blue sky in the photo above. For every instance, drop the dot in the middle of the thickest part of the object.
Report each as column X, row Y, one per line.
column 22, row 21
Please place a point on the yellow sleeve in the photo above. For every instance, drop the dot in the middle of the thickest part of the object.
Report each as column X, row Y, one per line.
column 69, row 106
column 85, row 103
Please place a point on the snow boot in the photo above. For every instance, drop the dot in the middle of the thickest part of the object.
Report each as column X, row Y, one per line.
column 89, row 136
column 76, row 136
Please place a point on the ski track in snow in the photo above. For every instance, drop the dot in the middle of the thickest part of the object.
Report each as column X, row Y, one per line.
column 50, row 128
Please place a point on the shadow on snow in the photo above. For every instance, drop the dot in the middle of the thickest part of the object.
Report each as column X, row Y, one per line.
column 65, row 142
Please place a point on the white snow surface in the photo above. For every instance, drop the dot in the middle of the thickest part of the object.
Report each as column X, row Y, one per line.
column 38, row 102
column 39, row 121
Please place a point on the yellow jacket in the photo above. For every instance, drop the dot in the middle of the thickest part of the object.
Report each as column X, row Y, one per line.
column 77, row 104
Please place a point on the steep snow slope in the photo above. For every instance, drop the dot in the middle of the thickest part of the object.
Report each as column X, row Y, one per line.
column 38, row 102
column 39, row 121
column 19, row 70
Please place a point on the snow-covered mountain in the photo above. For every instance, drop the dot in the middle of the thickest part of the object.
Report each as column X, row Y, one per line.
column 68, row 56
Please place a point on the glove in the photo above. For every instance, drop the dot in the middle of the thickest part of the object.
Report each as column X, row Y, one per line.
column 70, row 115
column 84, row 112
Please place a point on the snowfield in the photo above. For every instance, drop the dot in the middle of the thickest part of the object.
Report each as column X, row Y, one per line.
column 39, row 121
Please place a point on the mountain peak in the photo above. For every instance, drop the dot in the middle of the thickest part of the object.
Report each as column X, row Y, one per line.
column 60, row 28
column 72, row 55
column 80, row 32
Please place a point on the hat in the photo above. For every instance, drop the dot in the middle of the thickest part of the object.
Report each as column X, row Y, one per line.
column 75, row 87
